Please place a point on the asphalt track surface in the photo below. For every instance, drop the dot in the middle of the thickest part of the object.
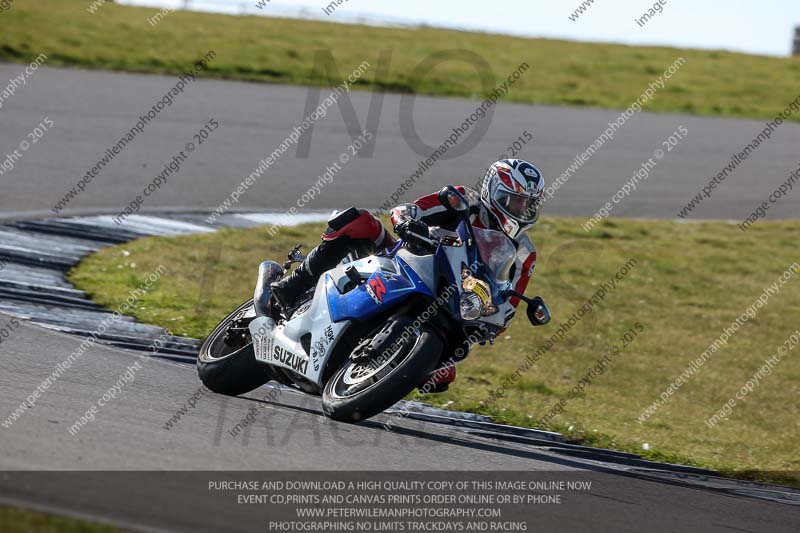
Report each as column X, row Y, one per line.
column 92, row 110
column 292, row 434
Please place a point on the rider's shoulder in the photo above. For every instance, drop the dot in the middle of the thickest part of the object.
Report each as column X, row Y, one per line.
column 524, row 243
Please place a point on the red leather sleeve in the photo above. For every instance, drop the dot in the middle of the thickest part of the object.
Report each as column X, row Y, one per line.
column 526, row 261
column 430, row 205
column 524, row 278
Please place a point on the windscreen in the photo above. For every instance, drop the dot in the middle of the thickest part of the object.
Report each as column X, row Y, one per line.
column 497, row 251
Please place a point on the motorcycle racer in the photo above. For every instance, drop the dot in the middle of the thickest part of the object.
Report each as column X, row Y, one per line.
column 510, row 199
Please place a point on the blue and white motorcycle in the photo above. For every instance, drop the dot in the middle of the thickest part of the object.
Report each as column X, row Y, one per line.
column 374, row 328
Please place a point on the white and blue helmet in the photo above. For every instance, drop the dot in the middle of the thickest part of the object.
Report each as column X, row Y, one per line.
column 512, row 193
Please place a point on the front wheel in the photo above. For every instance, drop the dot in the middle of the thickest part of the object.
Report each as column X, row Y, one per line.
column 227, row 362
column 402, row 358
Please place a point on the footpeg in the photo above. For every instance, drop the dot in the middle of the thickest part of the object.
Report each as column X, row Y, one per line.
column 294, row 257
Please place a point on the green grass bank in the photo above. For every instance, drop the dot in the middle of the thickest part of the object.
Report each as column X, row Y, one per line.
column 262, row 49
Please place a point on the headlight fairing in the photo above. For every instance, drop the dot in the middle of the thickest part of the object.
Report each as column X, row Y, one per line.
column 471, row 306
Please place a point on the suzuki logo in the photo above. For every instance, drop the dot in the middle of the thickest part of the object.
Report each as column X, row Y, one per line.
column 376, row 289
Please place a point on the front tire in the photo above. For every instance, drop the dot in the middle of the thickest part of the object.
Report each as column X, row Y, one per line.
column 231, row 369
column 360, row 390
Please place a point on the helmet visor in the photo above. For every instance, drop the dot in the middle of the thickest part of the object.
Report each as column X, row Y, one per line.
column 521, row 207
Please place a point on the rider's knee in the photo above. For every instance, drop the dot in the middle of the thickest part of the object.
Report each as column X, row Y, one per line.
column 356, row 224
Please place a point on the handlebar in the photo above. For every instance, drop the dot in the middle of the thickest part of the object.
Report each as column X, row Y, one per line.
column 426, row 240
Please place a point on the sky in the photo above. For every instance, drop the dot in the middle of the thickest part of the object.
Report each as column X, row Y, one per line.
column 763, row 27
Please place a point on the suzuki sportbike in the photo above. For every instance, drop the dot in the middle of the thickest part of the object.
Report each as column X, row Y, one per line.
column 374, row 328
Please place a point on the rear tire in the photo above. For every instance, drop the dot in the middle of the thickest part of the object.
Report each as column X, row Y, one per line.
column 353, row 395
column 230, row 370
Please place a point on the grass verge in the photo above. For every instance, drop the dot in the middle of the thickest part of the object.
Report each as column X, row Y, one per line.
column 690, row 281
column 255, row 48
column 15, row 520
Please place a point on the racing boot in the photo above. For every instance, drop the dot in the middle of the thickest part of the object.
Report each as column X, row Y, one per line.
column 290, row 288
column 319, row 260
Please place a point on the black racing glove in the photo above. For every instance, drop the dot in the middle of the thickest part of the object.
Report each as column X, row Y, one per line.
column 405, row 228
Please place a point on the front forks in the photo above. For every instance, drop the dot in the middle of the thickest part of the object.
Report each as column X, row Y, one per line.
column 238, row 333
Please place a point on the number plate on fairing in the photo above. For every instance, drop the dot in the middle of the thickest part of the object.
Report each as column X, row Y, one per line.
column 263, row 342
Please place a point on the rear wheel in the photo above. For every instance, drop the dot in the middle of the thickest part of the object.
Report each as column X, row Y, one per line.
column 227, row 362
column 382, row 371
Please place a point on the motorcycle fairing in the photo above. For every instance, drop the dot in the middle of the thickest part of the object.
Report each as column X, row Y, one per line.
column 281, row 344
column 384, row 289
